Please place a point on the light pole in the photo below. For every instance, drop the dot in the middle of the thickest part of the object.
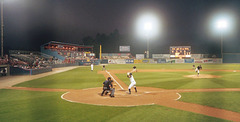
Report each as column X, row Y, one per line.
column 222, row 25
column 147, row 47
column 1, row 28
column 148, row 28
column 222, row 44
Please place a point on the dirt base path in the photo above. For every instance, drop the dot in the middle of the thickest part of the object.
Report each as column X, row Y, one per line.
column 9, row 81
column 144, row 96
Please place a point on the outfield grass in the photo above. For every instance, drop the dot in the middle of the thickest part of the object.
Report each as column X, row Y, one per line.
column 175, row 80
column 225, row 100
column 173, row 66
column 17, row 105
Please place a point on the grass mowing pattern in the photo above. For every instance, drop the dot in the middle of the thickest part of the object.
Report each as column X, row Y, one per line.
column 223, row 100
column 175, row 80
column 78, row 78
column 173, row 66
column 17, row 105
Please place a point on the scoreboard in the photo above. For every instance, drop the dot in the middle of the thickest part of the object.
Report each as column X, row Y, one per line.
column 180, row 52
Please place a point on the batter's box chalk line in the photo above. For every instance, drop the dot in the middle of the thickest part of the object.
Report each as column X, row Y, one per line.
column 114, row 79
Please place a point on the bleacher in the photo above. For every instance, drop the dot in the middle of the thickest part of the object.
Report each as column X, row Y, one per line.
column 28, row 56
column 67, row 51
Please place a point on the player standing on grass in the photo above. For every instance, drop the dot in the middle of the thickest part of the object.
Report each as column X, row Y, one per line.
column 133, row 82
column 103, row 67
column 91, row 66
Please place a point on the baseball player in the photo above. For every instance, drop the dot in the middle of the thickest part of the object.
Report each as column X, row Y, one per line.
column 134, row 69
column 133, row 82
column 198, row 69
column 91, row 66
column 103, row 67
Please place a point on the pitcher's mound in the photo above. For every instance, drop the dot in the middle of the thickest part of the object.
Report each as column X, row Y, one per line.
column 202, row 76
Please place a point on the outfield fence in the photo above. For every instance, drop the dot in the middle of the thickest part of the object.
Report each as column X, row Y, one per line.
column 159, row 61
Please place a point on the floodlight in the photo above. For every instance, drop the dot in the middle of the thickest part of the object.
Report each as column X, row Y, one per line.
column 148, row 26
column 222, row 24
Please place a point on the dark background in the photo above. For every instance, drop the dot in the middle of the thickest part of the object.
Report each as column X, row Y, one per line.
column 31, row 23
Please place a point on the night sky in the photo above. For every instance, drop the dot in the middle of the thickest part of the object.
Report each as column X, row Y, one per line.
column 31, row 23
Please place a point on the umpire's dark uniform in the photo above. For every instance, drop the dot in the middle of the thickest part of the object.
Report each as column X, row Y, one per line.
column 106, row 85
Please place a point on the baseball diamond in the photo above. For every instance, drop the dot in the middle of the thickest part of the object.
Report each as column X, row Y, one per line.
column 120, row 61
column 146, row 96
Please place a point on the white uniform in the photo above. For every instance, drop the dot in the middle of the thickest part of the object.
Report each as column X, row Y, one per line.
column 133, row 82
column 91, row 67
column 197, row 70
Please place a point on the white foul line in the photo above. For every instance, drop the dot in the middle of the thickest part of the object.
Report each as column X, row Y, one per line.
column 114, row 79
column 178, row 97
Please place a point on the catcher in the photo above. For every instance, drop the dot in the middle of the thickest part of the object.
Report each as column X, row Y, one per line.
column 107, row 86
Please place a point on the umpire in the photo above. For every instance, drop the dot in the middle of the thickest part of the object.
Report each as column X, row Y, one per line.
column 107, row 86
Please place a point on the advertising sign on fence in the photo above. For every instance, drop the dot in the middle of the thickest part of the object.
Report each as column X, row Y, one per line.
column 170, row 61
column 129, row 61
column 145, row 60
column 121, row 61
column 179, row 61
column 112, row 61
column 189, row 60
column 116, row 61
column 198, row 61
column 137, row 61
column 161, row 61
column 207, row 61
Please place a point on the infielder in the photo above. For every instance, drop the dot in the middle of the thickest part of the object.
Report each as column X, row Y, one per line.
column 133, row 82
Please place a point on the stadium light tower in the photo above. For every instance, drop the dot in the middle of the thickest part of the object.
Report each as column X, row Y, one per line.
column 148, row 28
column 222, row 25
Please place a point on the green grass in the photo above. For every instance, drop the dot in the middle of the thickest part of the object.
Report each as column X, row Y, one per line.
column 17, row 105
column 223, row 100
column 173, row 66
column 175, row 80
column 48, row 106
column 74, row 79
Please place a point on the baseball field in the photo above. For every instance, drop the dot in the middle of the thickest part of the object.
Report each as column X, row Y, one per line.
column 166, row 92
